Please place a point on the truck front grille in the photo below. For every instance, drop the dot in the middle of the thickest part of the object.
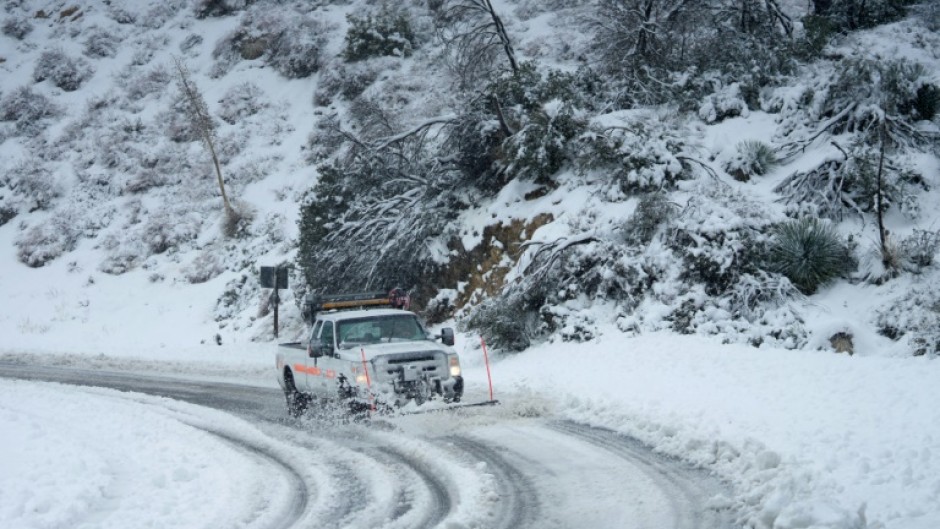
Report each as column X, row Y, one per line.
column 411, row 360
column 392, row 368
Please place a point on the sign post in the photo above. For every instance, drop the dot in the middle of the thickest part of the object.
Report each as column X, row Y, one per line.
column 274, row 277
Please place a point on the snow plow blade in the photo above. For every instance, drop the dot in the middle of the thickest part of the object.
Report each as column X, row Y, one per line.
column 449, row 407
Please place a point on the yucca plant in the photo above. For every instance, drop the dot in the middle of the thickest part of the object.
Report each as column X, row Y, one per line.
column 809, row 252
column 754, row 158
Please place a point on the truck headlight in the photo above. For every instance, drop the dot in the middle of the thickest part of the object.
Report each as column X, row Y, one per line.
column 454, row 366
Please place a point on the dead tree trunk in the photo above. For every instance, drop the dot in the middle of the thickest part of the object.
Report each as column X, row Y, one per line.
column 879, row 201
column 202, row 122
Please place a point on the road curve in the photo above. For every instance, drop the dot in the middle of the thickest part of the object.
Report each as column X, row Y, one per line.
column 487, row 470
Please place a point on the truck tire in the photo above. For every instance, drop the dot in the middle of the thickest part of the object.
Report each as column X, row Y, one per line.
column 297, row 402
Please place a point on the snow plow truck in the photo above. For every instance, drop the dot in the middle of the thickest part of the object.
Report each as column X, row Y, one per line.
column 366, row 351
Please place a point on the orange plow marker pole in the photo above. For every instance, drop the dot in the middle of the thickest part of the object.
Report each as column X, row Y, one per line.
column 486, row 359
column 365, row 367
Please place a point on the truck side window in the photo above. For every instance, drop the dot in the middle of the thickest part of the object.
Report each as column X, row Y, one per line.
column 326, row 337
column 315, row 332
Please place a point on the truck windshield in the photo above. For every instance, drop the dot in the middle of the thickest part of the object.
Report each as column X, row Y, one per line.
column 375, row 329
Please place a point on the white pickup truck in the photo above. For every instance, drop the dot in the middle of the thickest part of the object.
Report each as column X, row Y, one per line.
column 363, row 356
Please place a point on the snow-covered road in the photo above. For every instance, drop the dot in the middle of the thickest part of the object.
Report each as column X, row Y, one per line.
column 180, row 453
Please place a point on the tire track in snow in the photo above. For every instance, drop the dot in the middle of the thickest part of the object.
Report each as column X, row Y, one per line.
column 440, row 501
column 518, row 503
column 297, row 506
column 689, row 490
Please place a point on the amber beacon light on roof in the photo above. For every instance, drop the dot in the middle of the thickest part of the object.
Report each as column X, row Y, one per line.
column 395, row 298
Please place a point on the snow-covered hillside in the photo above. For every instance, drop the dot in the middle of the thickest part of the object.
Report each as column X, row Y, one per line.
column 113, row 218
column 604, row 221
column 117, row 203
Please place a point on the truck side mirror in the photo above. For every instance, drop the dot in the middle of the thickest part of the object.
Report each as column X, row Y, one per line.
column 447, row 336
column 314, row 351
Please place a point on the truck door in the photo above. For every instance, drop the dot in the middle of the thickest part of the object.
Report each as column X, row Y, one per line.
column 328, row 364
column 309, row 380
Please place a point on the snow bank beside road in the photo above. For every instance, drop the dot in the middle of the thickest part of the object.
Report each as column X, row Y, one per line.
column 807, row 439
column 73, row 457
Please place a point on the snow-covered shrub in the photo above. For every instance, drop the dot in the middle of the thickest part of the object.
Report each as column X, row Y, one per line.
column 177, row 121
column 652, row 211
column 240, row 101
column 925, row 104
column 33, row 183
column 546, row 113
column 101, row 43
column 809, row 252
column 16, row 27
column 290, row 42
column 929, row 13
column 904, row 88
column 751, row 158
column 121, row 15
column 162, row 12
column 387, row 33
column 541, row 146
column 297, row 51
column 349, row 80
column 7, row 214
column 726, row 103
column 166, row 230
column 170, row 161
column 825, row 191
column 163, row 231
column 230, row 144
column 473, row 144
column 42, row 243
column 713, row 280
column 30, row 110
column 138, row 85
column 219, row 8
column 191, row 41
column 207, row 265
column 855, row 14
column 325, row 139
column 144, row 180
column 915, row 317
column 122, row 255
column 557, row 280
column 509, row 322
column 753, row 294
column 692, row 49
column 641, row 152
column 854, row 96
column 847, row 182
column 718, row 236
column 119, row 145
column 920, row 249
column 525, row 127
column 65, row 72
column 236, row 297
